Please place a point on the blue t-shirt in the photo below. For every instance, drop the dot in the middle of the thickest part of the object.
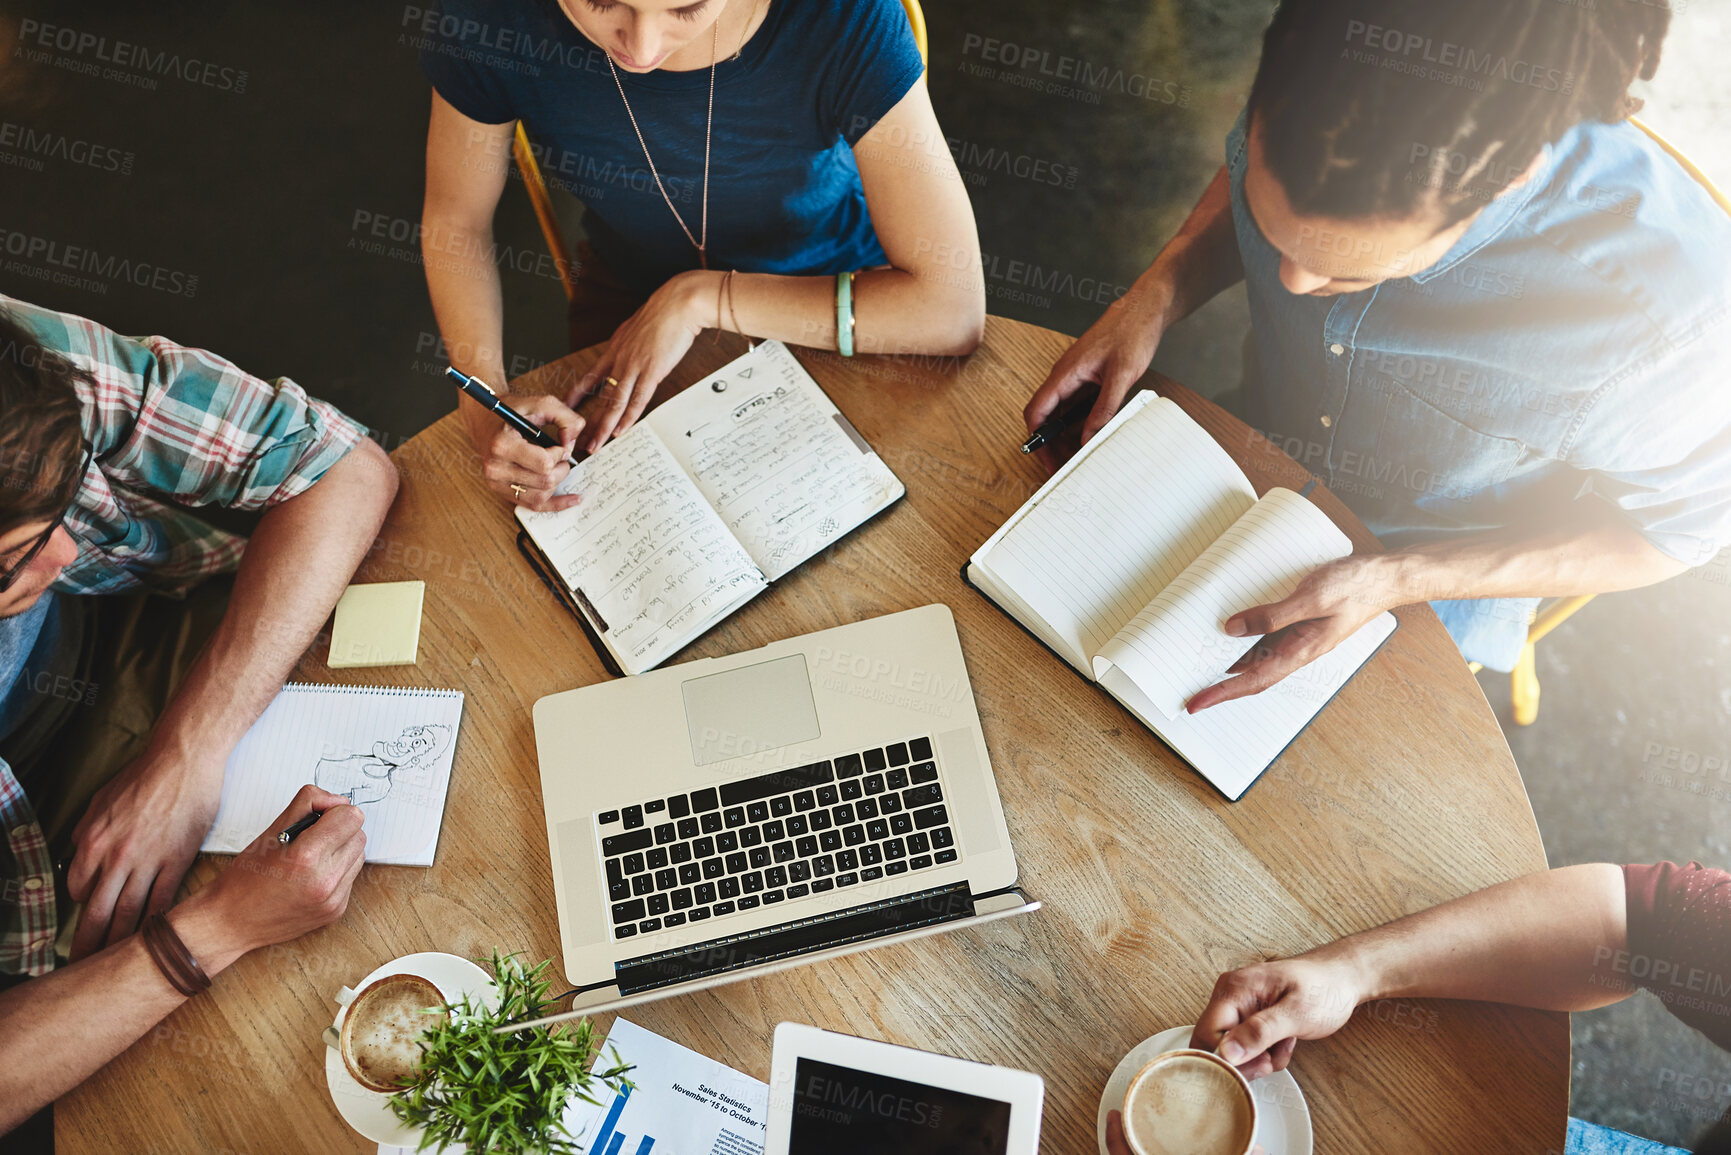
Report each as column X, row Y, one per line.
column 784, row 192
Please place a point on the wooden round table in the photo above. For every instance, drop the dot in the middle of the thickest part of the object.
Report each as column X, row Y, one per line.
column 1402, row 794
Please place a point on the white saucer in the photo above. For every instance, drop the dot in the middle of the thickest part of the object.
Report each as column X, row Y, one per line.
column 369, row 1112
column 1282, row 1116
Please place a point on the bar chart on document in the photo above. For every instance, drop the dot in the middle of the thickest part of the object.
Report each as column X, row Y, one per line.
column 679, row 1102
column 610, row 1140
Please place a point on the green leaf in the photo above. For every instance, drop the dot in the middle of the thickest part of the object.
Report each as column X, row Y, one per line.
column 503, row 1092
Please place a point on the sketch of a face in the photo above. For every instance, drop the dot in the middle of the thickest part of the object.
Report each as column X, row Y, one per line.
column 366, row 778
column 413, row 747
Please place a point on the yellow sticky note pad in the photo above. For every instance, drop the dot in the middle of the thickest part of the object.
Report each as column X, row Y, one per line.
column 377, row 625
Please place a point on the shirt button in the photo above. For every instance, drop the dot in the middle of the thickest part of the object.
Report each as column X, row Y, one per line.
column 21, row 832
column 1337, row 348
column 1327, row 421
column 34, row 882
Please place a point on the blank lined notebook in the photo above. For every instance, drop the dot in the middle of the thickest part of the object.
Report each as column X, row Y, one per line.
column 388, row 750
column 693, row 511
column 1128, row 562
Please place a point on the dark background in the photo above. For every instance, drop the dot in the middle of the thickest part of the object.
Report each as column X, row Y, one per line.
column 265, row 189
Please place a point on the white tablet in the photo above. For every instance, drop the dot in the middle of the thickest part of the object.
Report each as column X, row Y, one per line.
column 833, row 1094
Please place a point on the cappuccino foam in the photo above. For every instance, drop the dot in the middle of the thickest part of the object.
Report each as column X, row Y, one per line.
column 384, row 1024
column 1189, row 1105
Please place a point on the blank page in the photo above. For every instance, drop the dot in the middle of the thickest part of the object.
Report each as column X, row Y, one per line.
column 644, row 554
column 388, row 750
column 1116, row 524
column 1234, row 742
column 1175, row 647
column 775, row 457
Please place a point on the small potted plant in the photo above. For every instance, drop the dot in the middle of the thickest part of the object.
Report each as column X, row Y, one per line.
column 503, row 1092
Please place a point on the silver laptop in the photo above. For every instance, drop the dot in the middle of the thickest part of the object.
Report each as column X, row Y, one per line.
column 725, row 817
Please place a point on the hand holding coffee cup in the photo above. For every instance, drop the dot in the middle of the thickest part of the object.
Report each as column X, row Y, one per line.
column 1257, row 1014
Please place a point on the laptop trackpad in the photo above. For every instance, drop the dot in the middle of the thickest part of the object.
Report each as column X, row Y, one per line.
column 750, row 709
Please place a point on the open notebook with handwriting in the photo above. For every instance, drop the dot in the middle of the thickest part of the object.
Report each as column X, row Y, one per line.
column 691, row 513
column 1130, row 559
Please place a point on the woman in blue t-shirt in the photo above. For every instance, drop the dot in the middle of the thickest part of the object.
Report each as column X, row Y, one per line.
column 790, row 140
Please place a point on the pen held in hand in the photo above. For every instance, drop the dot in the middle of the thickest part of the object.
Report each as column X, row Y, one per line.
column 489, row 400
column 1079, row 406
column 289, row 833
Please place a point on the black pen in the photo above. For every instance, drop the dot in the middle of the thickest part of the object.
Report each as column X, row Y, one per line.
column 483, row 392
column 1077, row 409
column 287, row 836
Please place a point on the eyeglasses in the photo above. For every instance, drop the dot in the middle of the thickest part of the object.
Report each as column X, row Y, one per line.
column 41, row 543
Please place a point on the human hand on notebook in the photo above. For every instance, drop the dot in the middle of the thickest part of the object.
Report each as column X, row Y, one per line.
column 644, row 351
column 274, row 892
column 1326, row 608
column 523, row 473
column 1113, row 354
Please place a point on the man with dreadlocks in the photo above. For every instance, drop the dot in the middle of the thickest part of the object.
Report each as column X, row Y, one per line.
column 1487, row 311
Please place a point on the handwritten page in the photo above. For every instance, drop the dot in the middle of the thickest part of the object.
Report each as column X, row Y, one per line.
column 1119, row 522
column 775, row 458
column 388, row 751
column 645, row 556
column 1175, row 646
column 682, row 1102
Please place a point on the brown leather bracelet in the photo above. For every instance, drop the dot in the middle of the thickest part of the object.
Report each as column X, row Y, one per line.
column 182, row 954
column 173, row 958
column 162, row 955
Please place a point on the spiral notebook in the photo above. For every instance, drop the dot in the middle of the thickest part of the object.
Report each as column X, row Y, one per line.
column 388, row 750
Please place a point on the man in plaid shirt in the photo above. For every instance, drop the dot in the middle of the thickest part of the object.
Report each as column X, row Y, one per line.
column 118, row 712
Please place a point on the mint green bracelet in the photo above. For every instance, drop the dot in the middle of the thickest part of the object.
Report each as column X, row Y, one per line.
column 844, row 313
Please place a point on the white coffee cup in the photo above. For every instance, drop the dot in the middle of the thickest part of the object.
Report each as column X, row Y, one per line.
column 1189, row 1102
column 377, row 1041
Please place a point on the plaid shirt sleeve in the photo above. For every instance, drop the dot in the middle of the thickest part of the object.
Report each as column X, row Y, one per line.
column 27, row 914
column 187, row 427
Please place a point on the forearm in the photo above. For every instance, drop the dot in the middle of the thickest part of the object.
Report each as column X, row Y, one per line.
column 1197, row 264
column 296, row 565
column 1515, row 563
column 58, row 1030
column 1528, row 942
column 895, row 310
column 463, row 283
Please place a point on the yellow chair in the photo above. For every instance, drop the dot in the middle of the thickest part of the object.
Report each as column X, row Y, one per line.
column 1524, row 680
column 917, row 19
column 543, row 204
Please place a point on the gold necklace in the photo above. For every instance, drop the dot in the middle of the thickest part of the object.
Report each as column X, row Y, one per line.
column 701, row 241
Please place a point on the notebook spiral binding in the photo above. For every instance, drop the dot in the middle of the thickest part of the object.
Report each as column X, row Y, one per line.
column 405, row 691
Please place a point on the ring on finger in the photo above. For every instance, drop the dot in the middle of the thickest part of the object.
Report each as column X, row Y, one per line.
column 619, row 395
column 517, row 491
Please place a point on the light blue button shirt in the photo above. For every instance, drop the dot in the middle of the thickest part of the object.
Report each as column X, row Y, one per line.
column 21, row 636
column 1575, row 343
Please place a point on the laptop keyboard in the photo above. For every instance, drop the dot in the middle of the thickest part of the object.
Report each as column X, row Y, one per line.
column 744, row 845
